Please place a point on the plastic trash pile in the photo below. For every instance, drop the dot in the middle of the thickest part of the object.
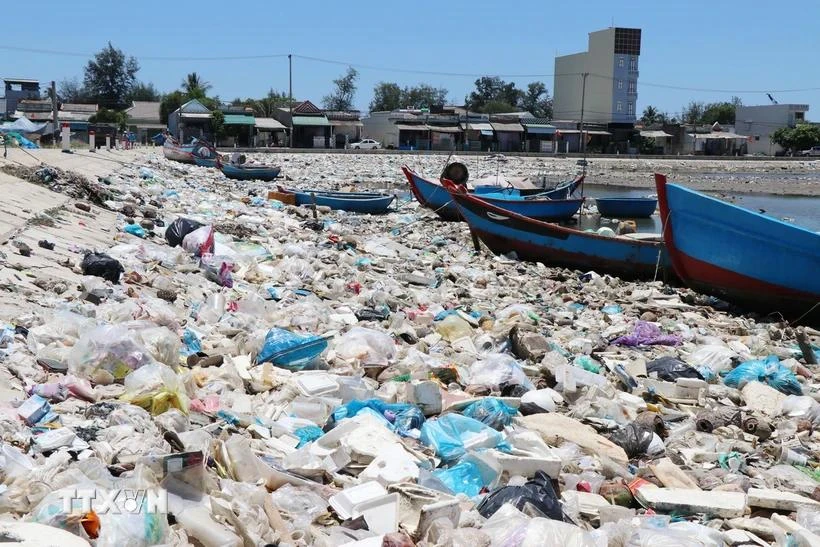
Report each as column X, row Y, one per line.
column 233, row 371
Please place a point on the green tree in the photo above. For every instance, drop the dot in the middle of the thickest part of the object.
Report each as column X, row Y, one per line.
column 722, row 113
column 537, row 101
column 109, row 77
column 217, row 124
column 387, row 96
column 342, row 96
column 693, row 112
column 497, row 107
column 650, row 115
column 423, row 96
column 171, row 102
column 267, row 105
column 492, row 89
column 105, row 115
column 71, row 91
column 800, row 137
column 144, row 92
column 195, row 87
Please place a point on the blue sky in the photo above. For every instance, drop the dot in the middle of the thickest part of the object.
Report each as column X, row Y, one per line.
column 754, row 45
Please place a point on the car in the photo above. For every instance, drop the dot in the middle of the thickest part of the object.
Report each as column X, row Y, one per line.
column 366, row 144
column 813, row 151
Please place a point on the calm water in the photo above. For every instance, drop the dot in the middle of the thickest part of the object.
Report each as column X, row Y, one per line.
column 800, row 210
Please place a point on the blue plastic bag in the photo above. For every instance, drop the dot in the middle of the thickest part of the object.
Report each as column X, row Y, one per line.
column 492, row 412
column 134, row 230
column 468, row 477
column 289, row 350
column 192, row 343
column 768, row 371
column 400, row 417
column 308, row 434
column 452, row 435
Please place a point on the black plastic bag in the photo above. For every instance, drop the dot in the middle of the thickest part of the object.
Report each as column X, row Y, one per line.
column 634, row 439
column 102, row 265
column 670, row 369
column 178, row 229
column 537, row 492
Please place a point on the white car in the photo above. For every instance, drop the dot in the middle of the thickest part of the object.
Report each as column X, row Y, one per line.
column 365, row 144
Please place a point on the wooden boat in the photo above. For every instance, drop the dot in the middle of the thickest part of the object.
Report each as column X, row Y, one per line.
column 432, row 195
column 626, row 207
column 172, row 150
column 206, row 162
column 535, row 206
column 740, row 255
column 534, row 240
column 250, row 172
column 355, row 202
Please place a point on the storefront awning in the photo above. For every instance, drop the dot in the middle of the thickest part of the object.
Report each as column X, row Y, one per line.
column 487, row 133
column 445, row 129
column 269, row 124
column 539, row 129
column 509, row 127
column 239, row 119
column 481, row 126
column 316, row 121
column 717, row 135
column 195, row 115
column 655, row 134
column 405, row 127
column 346, row 123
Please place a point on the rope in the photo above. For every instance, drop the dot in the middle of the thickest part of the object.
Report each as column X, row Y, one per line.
column 662, row 246
column 805, row 314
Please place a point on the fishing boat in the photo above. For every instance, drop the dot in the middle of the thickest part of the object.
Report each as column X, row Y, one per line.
column 206, row 162
column 172, row 150
column 535, row 206
column 250, row 172
column 355, row 202
column 740, row 255
column 538, row 241
column 432, row 195
column 626, row 207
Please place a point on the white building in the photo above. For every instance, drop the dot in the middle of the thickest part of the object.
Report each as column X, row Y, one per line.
column 611, row 63
column 759, row 122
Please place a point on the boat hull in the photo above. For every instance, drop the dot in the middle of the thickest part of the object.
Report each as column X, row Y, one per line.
column 374, row 204
column 184, row 154
column 434, row 196
column 739, row 255
column 250, row 173
column 626, row 207
column 205, row 162
column 537, row 241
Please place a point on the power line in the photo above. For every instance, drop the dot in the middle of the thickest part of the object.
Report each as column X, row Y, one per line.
column 146, row 57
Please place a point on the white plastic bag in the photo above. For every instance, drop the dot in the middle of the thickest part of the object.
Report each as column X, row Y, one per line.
column 369, row 346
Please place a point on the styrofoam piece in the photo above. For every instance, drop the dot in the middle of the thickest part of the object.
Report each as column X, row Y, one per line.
column 587, row 503
column 392, row 466
column 312, row 384
column 32, row 534
column 527, row 463
column 380, row 514
column 779, row 500
column 688, row 501
column 345, row 502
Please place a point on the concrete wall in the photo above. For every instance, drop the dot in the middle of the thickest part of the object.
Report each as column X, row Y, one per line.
column 379, row 127
column 759, row 122
column 567, row 86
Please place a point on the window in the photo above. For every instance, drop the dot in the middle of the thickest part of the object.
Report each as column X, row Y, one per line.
column 630, row 108
column 620, row 84
column 757, row 137
column 632, row 86
column 620, row 62
column 633, row 64
column 619, row 107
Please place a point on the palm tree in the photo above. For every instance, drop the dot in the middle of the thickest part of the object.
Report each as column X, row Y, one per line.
column 650, row 115
column 195, row 86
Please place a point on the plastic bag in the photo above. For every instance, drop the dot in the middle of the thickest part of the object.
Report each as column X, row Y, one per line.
column 634, row 439
column 537, row 493
column 469, row 476
column 217, row 269
column 135, row 529
column 308, row 434
column 713, row 357
column 102, row 265
column 401, row 417
column 646, row 334
column 769, row 371
column 163, row 344
column 155, row 388
column 492, row 412
column 498, row 370
column 669, row 368
column 369, row 346
column 290, row 350
column 178, row 229
column 552, row 532
column 199, row 241
column 451, row 435
column 107, row 350
column 134, row 230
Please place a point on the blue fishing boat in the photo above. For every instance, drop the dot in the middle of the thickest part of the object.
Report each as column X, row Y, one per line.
column 250, row 172
column 354, row 202
column 534, row 240
column 535, row 206
column 626, row 207
column 205, row 162
column 172, row 150
column 432, row 195
column 740, row 255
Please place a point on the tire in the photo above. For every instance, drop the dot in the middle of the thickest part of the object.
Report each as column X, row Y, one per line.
column 357, row 148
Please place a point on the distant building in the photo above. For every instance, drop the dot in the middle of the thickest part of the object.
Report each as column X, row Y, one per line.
column 345, row 127
column 16, row 90
column 311, row 128
column 611, row 94
column 144, row 119
column 759, row 122
column 192, row 119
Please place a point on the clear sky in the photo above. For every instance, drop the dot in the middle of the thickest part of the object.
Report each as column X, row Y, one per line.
column 740, row 47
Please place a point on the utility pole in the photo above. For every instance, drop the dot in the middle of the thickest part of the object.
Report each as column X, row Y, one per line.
column 583, row 99
column 54, row 110
column 290, row 98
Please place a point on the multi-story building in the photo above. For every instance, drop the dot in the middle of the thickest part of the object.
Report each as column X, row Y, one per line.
column 17, row 90
column 759, row 122
column 611, row 92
